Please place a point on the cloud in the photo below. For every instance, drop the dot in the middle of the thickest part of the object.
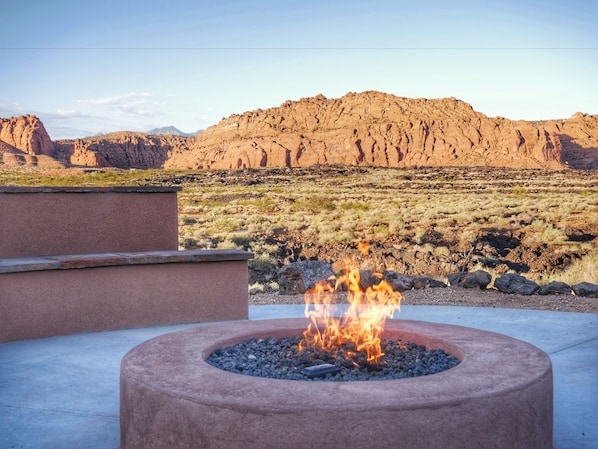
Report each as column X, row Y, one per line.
column 13, row 109
column 115, row 100
column 131, row 111
column 137, row 110
column 134, row 104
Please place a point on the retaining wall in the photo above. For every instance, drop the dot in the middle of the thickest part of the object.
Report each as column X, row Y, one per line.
column 60, row 295
column 79, row 259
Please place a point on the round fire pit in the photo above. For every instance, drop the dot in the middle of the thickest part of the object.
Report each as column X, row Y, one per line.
column 499, row 396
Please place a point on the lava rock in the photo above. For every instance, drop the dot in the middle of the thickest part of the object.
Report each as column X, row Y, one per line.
column 398, row 282
column 422, row 282
column 297, row 277
column 280, row 358
column 477, row 279
column 515, row 284
column 586, row 289
column 555, row 288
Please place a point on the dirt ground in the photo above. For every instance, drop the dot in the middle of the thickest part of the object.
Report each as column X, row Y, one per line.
column 457, row 296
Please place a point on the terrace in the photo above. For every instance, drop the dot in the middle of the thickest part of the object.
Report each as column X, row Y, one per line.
column 63, row 392
column 60, row 372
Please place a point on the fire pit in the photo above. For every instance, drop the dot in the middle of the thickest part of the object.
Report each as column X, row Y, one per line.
column 499, row 396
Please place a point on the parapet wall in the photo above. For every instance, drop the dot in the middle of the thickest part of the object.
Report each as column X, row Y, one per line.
column 43, row 221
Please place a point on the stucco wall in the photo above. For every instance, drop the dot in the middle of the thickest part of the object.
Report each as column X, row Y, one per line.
column 65, row 296
column 41, row 221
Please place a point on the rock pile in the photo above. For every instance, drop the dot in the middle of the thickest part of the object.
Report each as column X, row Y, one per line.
column 298, row 277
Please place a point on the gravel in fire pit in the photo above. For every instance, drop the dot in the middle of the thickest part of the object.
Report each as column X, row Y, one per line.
column 280, row 358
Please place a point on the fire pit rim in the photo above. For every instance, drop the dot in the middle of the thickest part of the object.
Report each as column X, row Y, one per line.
column 480, row 373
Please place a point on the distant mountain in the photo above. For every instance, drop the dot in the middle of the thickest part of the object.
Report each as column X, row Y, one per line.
column 365, row 129
column 379, row 129
column 173, row 131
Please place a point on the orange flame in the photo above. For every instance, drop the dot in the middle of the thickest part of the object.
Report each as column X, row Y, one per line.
column 371, row 301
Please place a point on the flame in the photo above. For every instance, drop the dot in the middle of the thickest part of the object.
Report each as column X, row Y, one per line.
column 371, row 300
column 364, row 248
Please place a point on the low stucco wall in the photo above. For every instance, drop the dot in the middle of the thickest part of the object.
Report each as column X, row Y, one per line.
column 60, row 295
column 42, row 221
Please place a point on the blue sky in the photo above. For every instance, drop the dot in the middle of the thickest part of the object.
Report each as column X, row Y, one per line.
column 87, row 67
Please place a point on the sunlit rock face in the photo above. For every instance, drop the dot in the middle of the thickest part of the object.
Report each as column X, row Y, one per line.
column 374, row 129
column 27, row 133
column 367, row 129
column 25, row 142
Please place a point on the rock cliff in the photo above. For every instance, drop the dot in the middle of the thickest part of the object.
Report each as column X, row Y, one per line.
column 27, row 133
column 121, row 150
column 25, row 142
column 368, row 129
column 579, row 140
column 373, row 128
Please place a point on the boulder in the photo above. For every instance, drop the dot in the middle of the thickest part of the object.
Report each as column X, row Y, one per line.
column 555, row 288
column 422, row 282
column 398, row 282
column 586, row 289
column 368, row 278
column 297, row 277
column 515, row 283
column 475, row 279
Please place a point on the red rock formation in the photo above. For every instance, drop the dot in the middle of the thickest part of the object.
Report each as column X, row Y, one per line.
column 579, row 139
column 121, row 149
column 26, row 133
column 13, row 157
column 371, row 128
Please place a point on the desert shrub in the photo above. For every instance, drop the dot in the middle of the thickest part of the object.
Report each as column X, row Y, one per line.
column 256, row 286
column 188, row 243
column 381, row 230
column 542, row 232
column 224, row 225
column 419, row 235
column 228, row 244
column 242, row 241
column 257, row 219
column 584, row 270
column 314, row 204
column 355, row 205
column 266, row 204
column 519, row 191
column 373, row 203
column 342, row 237
column 265, row 265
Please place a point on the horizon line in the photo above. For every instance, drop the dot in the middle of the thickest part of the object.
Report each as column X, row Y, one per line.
column 307, row 48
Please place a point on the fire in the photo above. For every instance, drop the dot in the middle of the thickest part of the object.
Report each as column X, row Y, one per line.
column 371, row 301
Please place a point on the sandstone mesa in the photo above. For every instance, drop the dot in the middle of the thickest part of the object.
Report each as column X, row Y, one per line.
column 366, row 129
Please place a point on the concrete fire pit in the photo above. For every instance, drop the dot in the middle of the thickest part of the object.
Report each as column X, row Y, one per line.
column 499, row 396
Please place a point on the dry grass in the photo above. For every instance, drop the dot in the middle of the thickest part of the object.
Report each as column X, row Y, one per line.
column 341, row 205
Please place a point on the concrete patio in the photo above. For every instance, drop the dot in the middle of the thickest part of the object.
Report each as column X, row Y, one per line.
column 63, row 392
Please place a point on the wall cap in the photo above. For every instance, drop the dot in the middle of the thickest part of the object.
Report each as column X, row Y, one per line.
column 85, row 189
column 77, row 261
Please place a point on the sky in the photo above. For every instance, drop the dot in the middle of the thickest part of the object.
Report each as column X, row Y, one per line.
column 88, row 67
